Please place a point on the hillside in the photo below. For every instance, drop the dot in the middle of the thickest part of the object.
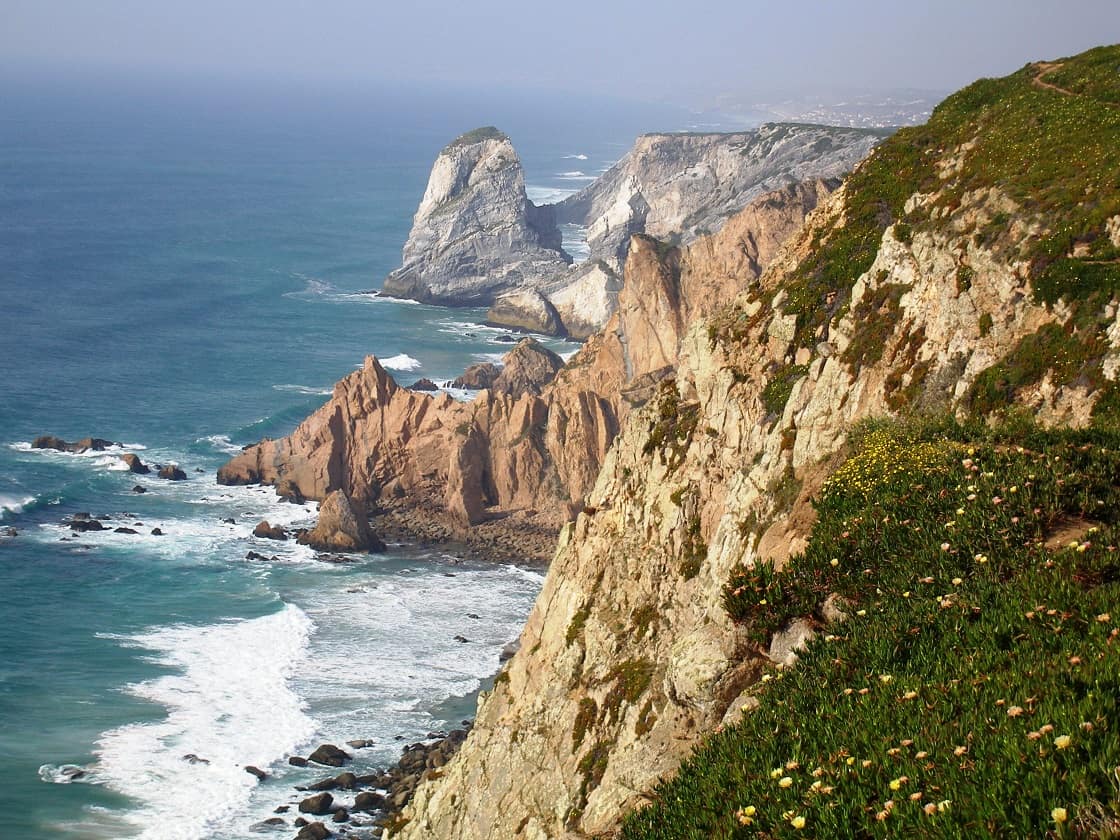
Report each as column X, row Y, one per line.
column 966, row 268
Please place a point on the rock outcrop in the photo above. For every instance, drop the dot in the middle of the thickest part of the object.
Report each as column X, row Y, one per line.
column 341, row 528
column 476, row 234
column 629, row 658
column 477, row 239
column 528, row 446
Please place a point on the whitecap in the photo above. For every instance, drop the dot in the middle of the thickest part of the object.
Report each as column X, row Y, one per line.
column 221, row 443
column 575, row 175
column 310, row 390
column 402, row 361
column 229, row 704
column 66, row 774
column 14, row 504
column 575, row 157
column 548, row 195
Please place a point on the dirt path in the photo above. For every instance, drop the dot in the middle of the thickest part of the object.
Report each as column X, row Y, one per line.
column 1044, row 69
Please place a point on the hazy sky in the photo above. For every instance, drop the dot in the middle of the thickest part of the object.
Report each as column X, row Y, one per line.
column 653, row 50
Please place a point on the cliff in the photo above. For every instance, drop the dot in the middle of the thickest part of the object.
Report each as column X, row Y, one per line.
column 475, row 233
column 477, row 240
column 529, row 446
column 944, row 276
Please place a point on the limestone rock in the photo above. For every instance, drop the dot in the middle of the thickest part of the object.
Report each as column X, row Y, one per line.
column 341, row 528
column 475, row 233
column 527, row 310
column 478, row 376
column 527, row 369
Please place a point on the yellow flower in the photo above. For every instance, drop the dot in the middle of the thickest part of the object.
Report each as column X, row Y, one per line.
column 1059, row 815
column 850, row 760
column 957, row 581
column 798, row 822
column 776, row 772
column 944, row 804
column 785, row 782
column 1062, row 741
column 895, row 784
column 834, row 562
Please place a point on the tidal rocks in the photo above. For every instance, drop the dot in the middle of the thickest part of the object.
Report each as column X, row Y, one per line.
column 124, row 530
column 318, row 804
column 526, row 369
column 260, row 558
column 424, row 384
column 288, row 489
column 313, row 831
column 82, row 522
column 478, row 376
column 329, row 755
column 135, row 465
column 139, row 488
column 269, row 532
column 525, row 309
column 297, row 761
column 157, row 532
column 369, row 800
column 84, row 445
column 340, row 528
column 256, row 771
column 171, row 472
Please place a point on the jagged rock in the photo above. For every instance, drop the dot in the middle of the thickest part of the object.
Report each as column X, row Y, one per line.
column 424, row 384
column 525, row 309
column 171, row 472
column 288, row 489
column 340, row 528
column 135, row 465
column 269, row 532
column 329, row 755
column 526, row 369
column 318, row 804
column 260, row 558
column 475, row 233
column 478, row 376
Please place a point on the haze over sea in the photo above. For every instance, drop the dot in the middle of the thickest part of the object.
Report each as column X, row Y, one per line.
column 182, row 270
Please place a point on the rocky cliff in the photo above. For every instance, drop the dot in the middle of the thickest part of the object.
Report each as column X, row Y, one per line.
column 530, row 445
column 944, row 276
column 475, row 233
column 476, row 239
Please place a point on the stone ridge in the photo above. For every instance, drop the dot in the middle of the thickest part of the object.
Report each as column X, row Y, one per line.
column 629, row 659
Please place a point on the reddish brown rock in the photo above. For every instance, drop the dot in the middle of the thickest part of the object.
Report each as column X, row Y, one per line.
column 341, row 528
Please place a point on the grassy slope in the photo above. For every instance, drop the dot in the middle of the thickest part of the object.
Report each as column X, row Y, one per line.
column 969, row 661
column 971, row 649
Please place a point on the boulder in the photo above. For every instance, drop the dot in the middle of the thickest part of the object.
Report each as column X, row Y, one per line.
column 84, row 445
column 288, row 489
column 135, row 465
column 83, row 525
column 138, row 488
column 527, row 310
column 329, row 755
column 318, row 804
column 256, row 771
column 313, row 831
column 478, row 376
column 269, row 532
column 297, row 761
column 527, row 368
column 157, row 532
column 171, row 472
column 369, row 800
column 424, row 384
column 340, row 528
column 123, row 530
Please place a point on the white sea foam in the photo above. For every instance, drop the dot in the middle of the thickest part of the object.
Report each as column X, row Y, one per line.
column 548, row 195
column 310, row 390
column 402, row 361
column 10, row 505
column 575, row 175
column 221, row 443
column 229, row 704
column 575, row 157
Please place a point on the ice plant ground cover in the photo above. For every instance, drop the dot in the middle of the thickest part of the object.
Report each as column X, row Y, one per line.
column 973, row 690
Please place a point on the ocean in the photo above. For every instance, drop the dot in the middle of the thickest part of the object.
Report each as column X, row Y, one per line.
column 184, row 270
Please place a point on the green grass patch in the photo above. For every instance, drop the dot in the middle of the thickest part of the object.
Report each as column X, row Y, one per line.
column 778, row 389
column 975, row 689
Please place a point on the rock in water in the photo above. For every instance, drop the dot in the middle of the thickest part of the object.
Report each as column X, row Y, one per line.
column 172, row 473
column 320, row 803
column 329, row 755
column 424, row 384
column 525, row 309
column 526, row 369
column 476, row 234
column 256, row 771
column 83, row 445
column 477, row 377
column 340, row 529
column 313, row 831
column 269, row 532
column 135, row 464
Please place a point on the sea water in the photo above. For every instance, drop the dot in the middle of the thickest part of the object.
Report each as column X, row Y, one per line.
column 186, row 270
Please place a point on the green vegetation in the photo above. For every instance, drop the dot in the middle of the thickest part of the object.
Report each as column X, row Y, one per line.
column 486, row 132
column 693, row 550
column 575, row 626
column 776, row 393
column 671, row 432
column 876, row 316
column 585, row 718
column 973, row 691
column 630, row 680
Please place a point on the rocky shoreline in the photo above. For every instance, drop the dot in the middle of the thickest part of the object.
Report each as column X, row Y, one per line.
column 358, row 807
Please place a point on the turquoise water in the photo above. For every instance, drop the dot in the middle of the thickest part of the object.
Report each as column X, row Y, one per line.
column 183, row 272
